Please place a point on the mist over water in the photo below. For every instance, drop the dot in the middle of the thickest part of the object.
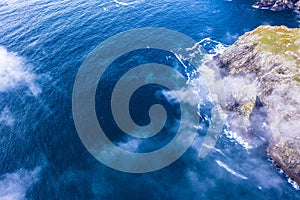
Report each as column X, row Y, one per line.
column 43, row 44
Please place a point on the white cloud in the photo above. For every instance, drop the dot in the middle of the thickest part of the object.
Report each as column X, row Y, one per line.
column 6, row 117
column 187, row 95
column 13, row 186
column 131, row 145
column 13, row 73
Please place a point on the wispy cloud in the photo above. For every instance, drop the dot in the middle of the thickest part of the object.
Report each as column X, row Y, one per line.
column 14, row 72
column 13, row 186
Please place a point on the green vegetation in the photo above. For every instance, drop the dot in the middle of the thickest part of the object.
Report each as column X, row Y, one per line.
column 280, row 40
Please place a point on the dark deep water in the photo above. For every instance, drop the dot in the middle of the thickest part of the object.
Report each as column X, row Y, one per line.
column 43, row 44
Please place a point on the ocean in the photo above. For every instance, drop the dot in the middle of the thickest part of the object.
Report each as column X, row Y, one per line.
column 43, row 43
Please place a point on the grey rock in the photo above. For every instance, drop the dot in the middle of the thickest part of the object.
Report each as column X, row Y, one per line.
column 279, row 5
column 261, row 75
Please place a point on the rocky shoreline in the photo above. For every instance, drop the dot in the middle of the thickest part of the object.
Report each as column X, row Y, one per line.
column 279, row 5
column 261, row 75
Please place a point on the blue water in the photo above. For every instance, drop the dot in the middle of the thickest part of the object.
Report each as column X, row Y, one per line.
column 43, row 43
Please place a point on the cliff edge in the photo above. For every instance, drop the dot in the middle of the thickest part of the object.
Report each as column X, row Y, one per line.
column 261, row 73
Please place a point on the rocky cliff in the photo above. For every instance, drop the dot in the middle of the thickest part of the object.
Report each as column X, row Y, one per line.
column 261, row 74
column 279, row 5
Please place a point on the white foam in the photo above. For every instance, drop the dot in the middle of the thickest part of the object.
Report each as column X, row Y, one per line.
column 294, row 184
column 6, row 117
column 223, row 165
column 125, row 3
column 13, row 73
column 215, row 149
column 234, row 136
column 262, row 8
column 254, row 6
column 13, row 186
column 218, row 49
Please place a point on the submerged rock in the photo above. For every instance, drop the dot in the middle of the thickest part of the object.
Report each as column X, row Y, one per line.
column 261, row 73
column 279, row 5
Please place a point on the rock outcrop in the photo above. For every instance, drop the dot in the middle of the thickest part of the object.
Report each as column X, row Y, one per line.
column 261, row 73
column 279, row 5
